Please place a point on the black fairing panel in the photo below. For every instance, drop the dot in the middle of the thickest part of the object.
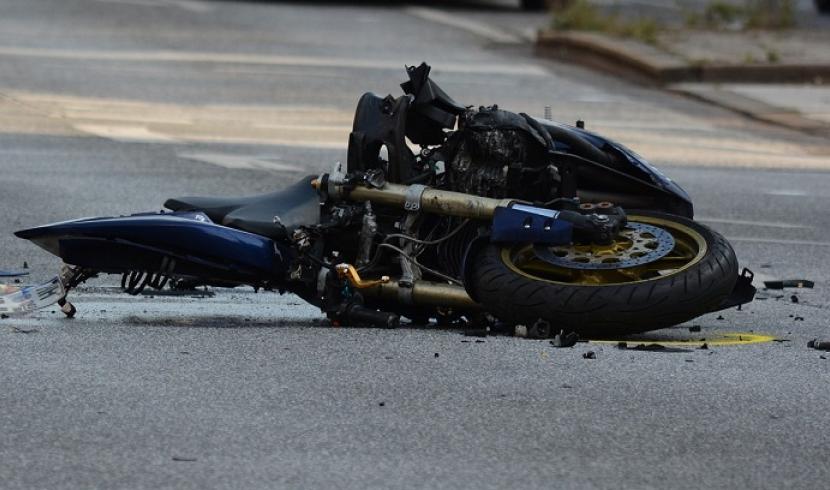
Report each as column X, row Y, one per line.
column 608, row 170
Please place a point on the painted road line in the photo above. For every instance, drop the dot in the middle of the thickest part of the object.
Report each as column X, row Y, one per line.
column 777, row 241
column 480, row 29
column 188, row 5
column 718, row 340
column 124, row 133
column 522, row 69
column 764, row 224
column 271, row 163
column 786, row 192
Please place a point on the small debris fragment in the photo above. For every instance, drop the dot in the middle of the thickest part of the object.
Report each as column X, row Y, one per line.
column 25, row 265
column 798, row 319
column 520, row 331
column 184, row 352
column 465, row 341
column 539, row 330
column 436, row 354
column 794, row 298
column 622, row 345
column 789, row 283
column 3, row 316
column 24, row 330
column 704, row 346
column 478, row 332
column 720, row 317
column 694, row 328
column 184, row 459
column 780, row 340
column 480, row 341
column 819, row 344
column 690, row 360
column 382, row 404
column 657, row 348
column 563, row 339
column 589, row 355
column 567, row 386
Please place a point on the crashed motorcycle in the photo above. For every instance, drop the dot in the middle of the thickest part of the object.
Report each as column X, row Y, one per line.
column 443, row 212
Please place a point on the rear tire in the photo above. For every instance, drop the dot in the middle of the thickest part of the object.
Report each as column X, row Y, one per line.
column 622, row 307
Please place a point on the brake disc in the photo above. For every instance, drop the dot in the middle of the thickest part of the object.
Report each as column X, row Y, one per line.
column 636, row 244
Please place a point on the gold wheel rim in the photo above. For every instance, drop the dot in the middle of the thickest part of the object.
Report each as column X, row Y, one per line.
column 690, row 247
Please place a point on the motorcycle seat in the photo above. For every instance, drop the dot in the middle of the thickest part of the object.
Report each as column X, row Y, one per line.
column 273, row 215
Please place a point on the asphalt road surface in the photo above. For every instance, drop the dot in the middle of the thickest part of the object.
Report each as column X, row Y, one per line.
column 111, row 106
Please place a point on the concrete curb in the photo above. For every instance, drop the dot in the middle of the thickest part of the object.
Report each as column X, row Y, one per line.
column 755, row 109
column 644, row 63
column 631, row 58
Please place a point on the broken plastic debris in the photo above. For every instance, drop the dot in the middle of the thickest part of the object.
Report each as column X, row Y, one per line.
column 788, row 283
column 19, row 301
column 563, row 339
column 589, row 355
column 520, row 331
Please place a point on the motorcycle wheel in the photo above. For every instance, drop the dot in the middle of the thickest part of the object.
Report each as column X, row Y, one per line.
column 583, row 292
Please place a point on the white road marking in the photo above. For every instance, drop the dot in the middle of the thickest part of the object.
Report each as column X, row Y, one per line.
column 271, row 163
column 480, row 29
column 786, row 192
column 524, row 69
column 766, row 224
column 777, row 241
column 124, row 133
column 189, row 5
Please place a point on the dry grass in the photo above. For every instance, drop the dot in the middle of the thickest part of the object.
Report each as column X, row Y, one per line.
column 581, row 15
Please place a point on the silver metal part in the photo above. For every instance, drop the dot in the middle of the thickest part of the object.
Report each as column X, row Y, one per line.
column 413, row 197
column 368, row 232
column 643, row 244
column 409, row 271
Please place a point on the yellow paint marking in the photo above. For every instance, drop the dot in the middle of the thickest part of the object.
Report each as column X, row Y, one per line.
column 722, row 340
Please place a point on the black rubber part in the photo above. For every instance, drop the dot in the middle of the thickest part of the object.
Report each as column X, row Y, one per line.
column 615, row 309
column 823, row 6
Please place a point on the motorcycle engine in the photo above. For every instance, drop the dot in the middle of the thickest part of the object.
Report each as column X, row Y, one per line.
column 494, row 153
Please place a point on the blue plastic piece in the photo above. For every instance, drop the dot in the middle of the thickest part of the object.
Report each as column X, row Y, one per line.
column 141, row 241
column 528, row 224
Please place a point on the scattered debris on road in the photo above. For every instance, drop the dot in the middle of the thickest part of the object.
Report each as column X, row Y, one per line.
column 183, row 459
column 563, row 339
column 694, row 328
column 653, row 347
column 24, row 330
column 819, row 344
column 589, row 355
